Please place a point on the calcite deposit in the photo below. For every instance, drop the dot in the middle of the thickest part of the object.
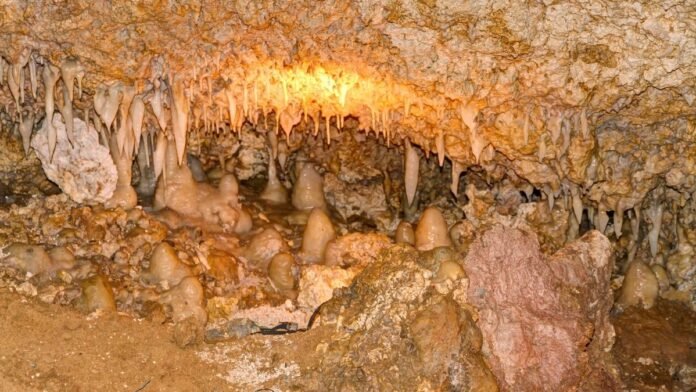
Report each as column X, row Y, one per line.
column 83, row 168
column 417, row 195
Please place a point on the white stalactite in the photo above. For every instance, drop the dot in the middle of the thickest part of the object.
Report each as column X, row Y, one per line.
column 50, row 77
column 70, row 70
column 124, row 132
column 160, row 154
column 601, row 220
column 66, row 110
column 106, row 102
column 180, row 110
column 440, row 146
column 654, row 213
column 411, row 166
column 457, row 169
column 137, row 114
column 25, row 129
column 32, row 76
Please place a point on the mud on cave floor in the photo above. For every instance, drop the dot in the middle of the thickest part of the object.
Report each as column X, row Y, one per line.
column 45, row 347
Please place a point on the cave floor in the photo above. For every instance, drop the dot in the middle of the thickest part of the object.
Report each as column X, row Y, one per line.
column 54, row 348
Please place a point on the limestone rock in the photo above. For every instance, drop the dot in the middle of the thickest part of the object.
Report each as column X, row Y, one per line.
column 317, row 283
column 84, row 171
column 545, row 320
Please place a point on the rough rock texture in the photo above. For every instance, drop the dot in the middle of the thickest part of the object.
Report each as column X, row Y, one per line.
column 397, row 330
column 85, row 170
column 545, row 320
column 20, row 175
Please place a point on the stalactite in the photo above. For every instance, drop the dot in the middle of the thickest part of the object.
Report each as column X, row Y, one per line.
column 654, row 213
column 67, row 112
column 25, row 129
column 457, row 169
column 440, row 146
column 32, row 76
column 411, row 167
column 180, row 109
column 70, row 70
column 137, row 115
column 50, row 77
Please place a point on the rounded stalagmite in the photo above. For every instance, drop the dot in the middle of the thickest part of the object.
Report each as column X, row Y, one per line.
column 640, row 286
column 431, row 231
column 405, row 234
column 308, row 192
column 282, row 271
column 318, row 232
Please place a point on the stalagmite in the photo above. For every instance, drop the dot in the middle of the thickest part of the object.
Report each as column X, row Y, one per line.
column 124, row 195
column 411, row 168
column 166, row 266
column 405, row 234
column 317, row 234
column 273, row 141
column 654, row 213
column 274, row 192
column 431, row 231
column 640, row 286
column 308, row 192
column 282, row 271
column 70, row 70
column 449, row 270
column 97, row 294
column 262, row 247
column 25, row 129
column 440, row 146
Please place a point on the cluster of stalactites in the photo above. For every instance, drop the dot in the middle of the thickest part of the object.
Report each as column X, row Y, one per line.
column 215, row 98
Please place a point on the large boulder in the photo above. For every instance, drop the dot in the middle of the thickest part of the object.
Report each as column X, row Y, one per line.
column 544, row 320
column 84, row 170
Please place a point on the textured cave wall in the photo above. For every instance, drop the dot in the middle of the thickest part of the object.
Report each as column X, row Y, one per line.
column 623, row 66
column 587, row 97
